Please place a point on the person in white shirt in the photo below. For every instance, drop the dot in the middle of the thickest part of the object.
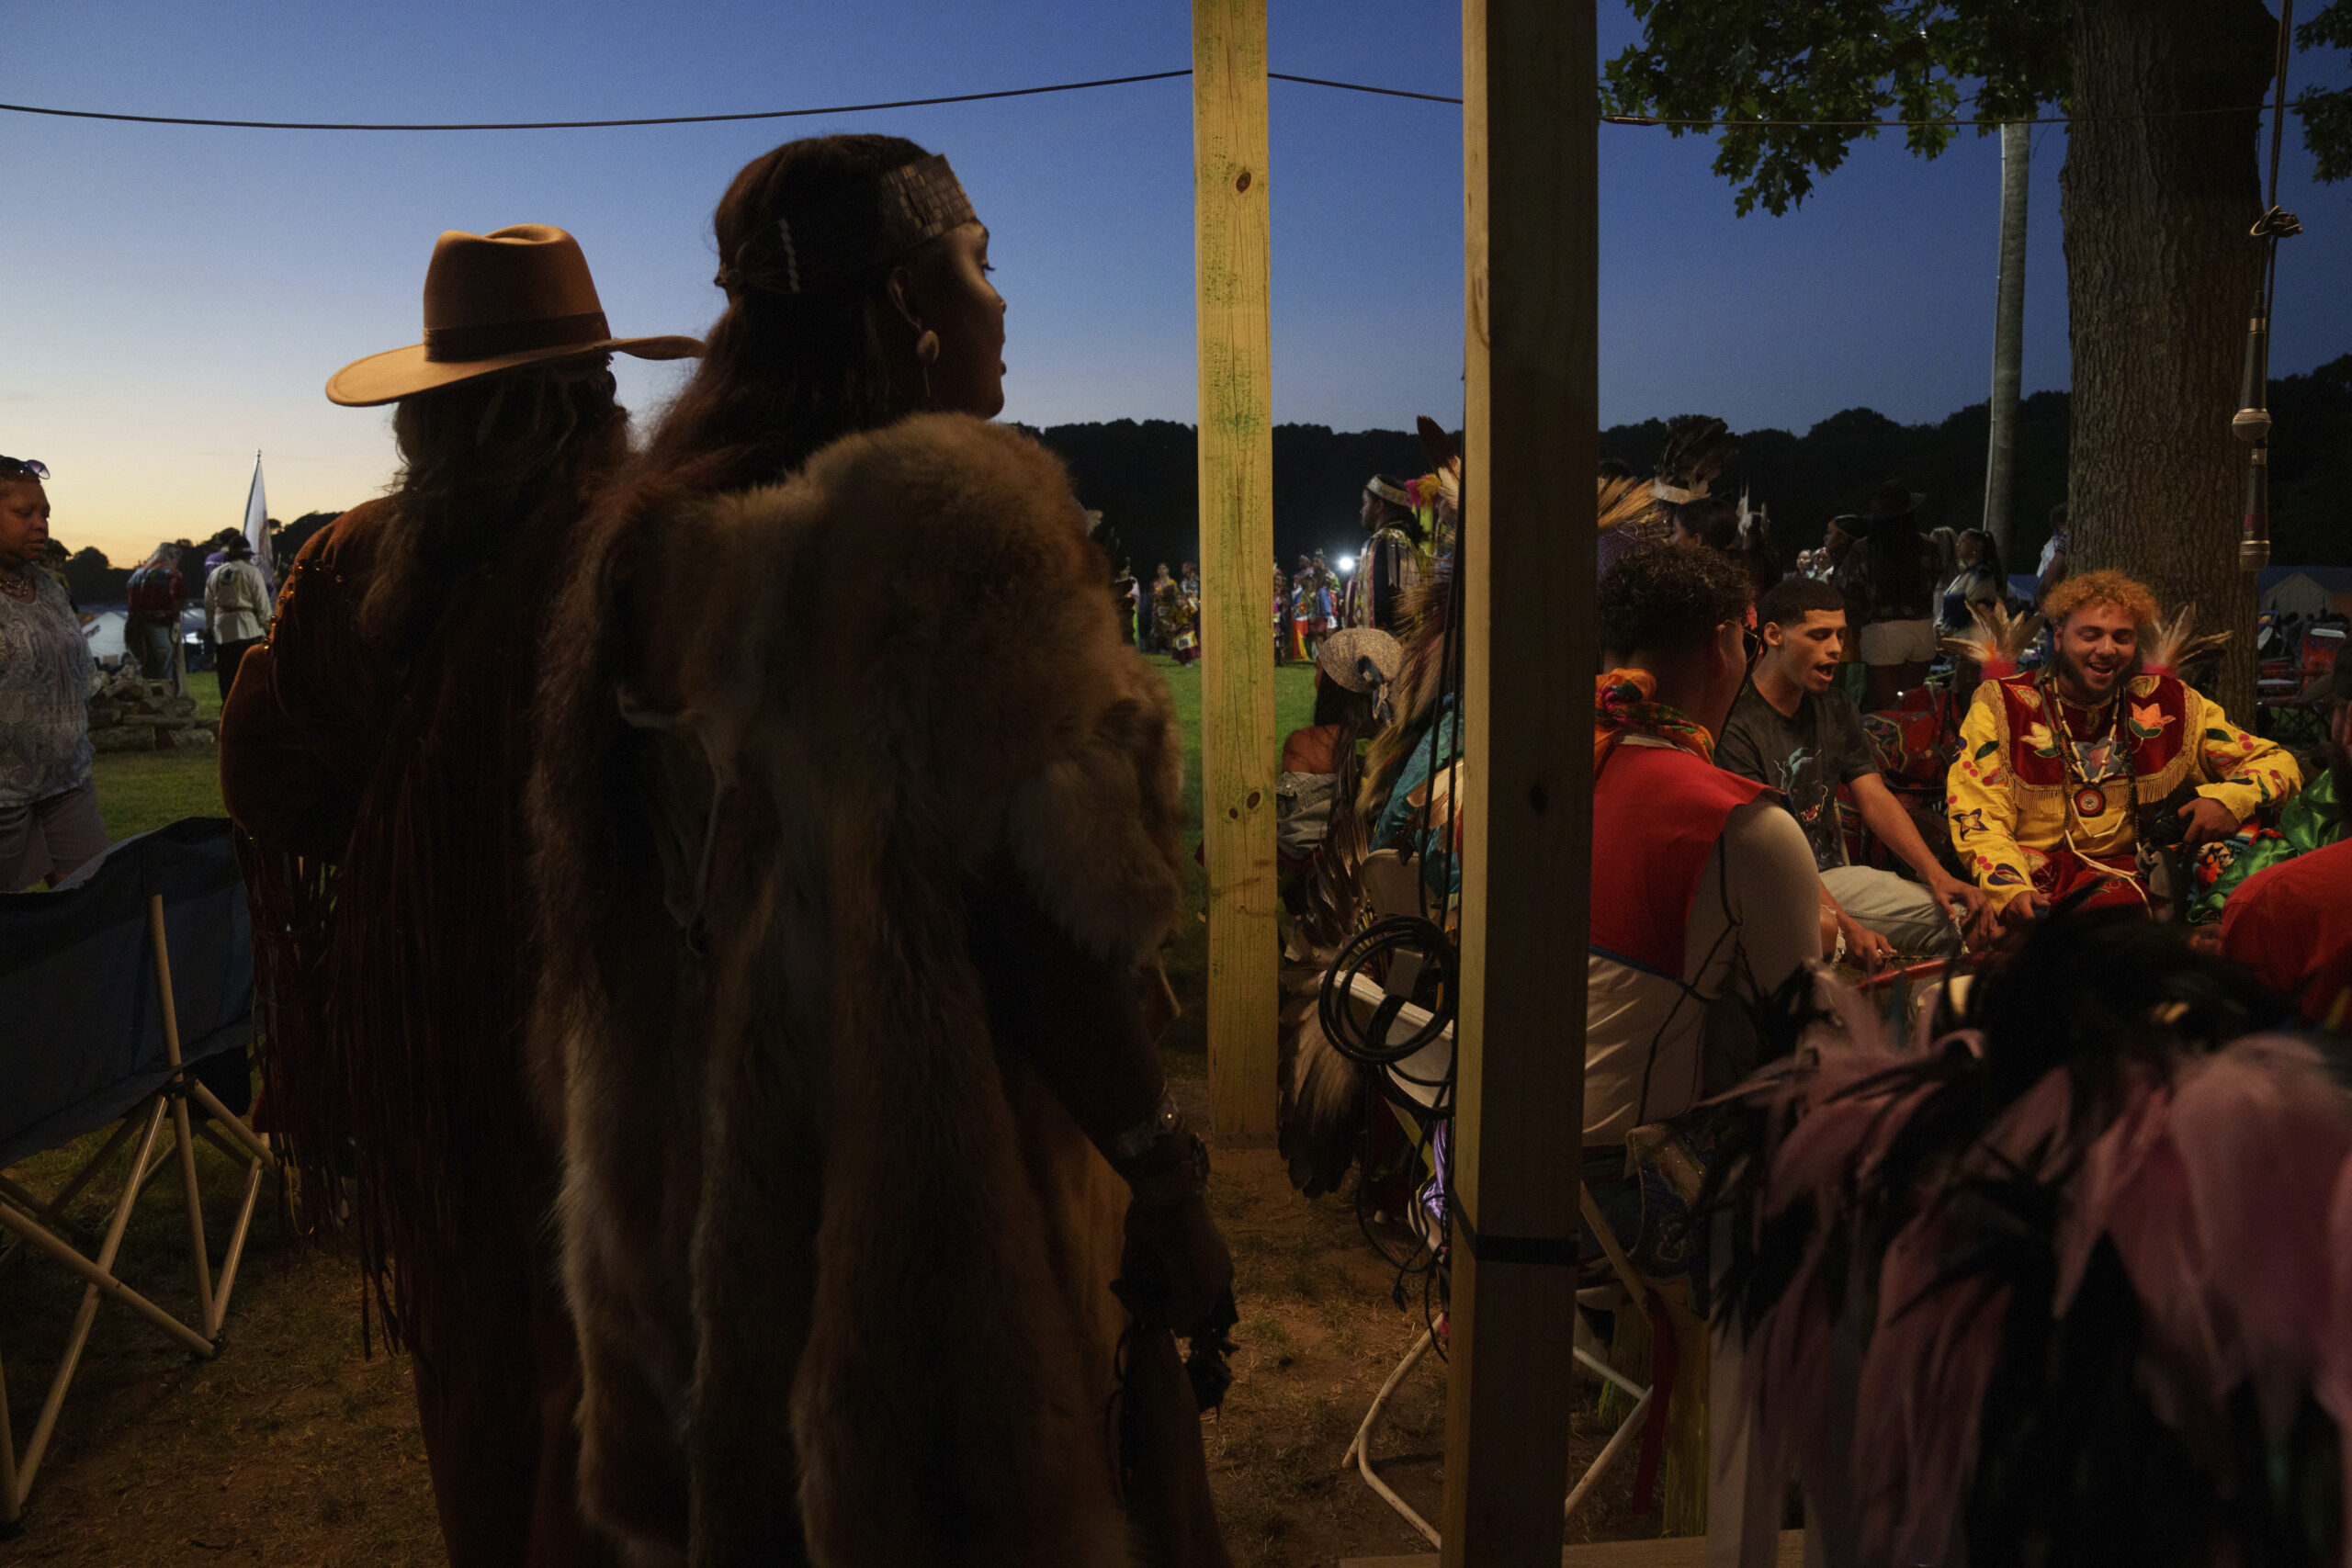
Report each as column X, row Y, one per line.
column 236, row 611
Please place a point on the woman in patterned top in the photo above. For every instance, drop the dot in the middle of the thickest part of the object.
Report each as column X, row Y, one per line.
column 49, row 811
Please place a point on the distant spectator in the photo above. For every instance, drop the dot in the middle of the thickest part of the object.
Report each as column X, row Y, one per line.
column 1978, row 580
column 151, row 630
column 1353, row 671
column 219, row 552
column 50, row 824
column 1890, row 573
column 236, row 610
column 2051, row 570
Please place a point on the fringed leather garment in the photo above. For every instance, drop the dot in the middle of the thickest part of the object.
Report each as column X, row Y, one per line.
column 380, row 805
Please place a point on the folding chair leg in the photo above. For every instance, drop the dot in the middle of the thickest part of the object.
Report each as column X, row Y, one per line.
column 1359, row 1452
column 199, row 1262
column 1619, row 1440
column 228, row 1132
column 99, row 1282
column 236, row 1251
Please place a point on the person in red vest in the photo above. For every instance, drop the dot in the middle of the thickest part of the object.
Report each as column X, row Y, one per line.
column 1704, row 896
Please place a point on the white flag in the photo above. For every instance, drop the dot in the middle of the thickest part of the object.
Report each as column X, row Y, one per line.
column 258, row 526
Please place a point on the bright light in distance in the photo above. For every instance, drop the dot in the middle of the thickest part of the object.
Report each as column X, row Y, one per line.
column 1346, row 564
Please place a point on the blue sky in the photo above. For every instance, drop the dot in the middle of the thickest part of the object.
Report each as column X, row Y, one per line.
column 177, row 296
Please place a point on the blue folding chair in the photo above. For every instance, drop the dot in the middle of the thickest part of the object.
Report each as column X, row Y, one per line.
column 112, row 988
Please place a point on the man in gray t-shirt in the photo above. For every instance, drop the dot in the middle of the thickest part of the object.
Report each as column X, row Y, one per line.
column 1792, row 731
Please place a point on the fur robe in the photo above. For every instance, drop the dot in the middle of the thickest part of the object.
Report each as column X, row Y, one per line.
column 840, row 1264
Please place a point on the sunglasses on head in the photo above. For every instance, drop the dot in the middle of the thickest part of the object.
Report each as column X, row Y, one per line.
column 24, row 465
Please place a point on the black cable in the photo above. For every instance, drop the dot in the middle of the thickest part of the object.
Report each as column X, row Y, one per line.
column 1360, row 87
column 591, row 124
column 1370, row 1044
column 689, row 118
column 1634, row 120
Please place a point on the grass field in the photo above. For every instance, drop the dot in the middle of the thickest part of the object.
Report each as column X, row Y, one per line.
column 292, row 1445
column 139, row 791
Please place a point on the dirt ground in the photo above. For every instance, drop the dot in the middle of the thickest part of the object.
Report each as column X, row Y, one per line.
column 294, row 1447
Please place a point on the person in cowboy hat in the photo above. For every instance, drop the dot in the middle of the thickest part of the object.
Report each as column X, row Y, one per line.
column 1353, row 670
column 373, row 755
column 236, row 609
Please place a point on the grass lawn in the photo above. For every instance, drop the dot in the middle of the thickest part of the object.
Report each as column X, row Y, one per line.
column 1187, row 1040
column 293, row 1447
column 140, row 791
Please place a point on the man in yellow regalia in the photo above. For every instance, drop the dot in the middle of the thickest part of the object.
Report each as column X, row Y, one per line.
column 2064, row 772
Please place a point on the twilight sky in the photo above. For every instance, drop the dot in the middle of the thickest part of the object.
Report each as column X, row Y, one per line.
column 177, row 297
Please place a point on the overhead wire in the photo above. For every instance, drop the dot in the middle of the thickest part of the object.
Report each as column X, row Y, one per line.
column 1631, row 119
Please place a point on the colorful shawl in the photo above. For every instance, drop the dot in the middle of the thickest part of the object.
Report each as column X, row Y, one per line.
column 1622, row 706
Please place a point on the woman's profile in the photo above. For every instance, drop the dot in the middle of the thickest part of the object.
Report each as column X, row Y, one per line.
column 858, row 832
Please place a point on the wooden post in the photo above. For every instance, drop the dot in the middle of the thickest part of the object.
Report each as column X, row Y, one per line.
column 1530, row 118
column 1236, row 458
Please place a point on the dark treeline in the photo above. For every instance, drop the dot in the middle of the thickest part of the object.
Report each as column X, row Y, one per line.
column 1141, row 477
column 98, row 581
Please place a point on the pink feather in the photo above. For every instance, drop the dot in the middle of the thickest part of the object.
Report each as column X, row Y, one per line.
column 1930, row 1358
column 2265, row 1135
column 2108, row 1167
column 2333, row 1387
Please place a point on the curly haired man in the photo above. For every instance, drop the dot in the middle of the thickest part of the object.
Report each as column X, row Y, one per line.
column 2062, row 771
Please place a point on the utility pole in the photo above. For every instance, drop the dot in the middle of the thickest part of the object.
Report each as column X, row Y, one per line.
column 1239, row 744
column 1529, row 151
column 2009, row 342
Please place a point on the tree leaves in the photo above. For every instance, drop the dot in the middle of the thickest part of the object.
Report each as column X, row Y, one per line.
column 1816, row 61
column 2327, row 113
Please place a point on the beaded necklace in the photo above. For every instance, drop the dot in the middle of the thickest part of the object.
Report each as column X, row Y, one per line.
column 18, row 585
column 2086, row 800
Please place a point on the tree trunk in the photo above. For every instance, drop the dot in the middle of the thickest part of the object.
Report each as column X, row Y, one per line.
column 2009, row 342
column 2161, row 276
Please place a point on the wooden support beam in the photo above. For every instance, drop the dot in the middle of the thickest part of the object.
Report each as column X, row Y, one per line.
column 1530, row 133
column 1237, row 468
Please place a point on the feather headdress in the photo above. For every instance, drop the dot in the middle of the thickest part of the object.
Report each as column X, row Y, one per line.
column 1697, row 447
column 1321, row 1092
column 2088, row 1250
column 2174, row 649
column 2000, row 641
column 1623, row 503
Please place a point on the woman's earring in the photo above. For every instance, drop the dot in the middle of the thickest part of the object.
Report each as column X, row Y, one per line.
column 926, row 355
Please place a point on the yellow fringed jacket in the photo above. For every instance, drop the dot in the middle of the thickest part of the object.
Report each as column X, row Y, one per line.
column 2012, row 798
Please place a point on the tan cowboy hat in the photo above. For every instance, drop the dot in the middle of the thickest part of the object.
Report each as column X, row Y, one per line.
column 494, row 302
column 1342, row 655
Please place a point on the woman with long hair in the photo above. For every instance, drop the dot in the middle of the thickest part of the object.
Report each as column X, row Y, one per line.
column 373, row 755
column 859, row 832
column 1977, row 579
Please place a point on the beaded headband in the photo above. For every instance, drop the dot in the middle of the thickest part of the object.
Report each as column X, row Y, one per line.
column 908, row 208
